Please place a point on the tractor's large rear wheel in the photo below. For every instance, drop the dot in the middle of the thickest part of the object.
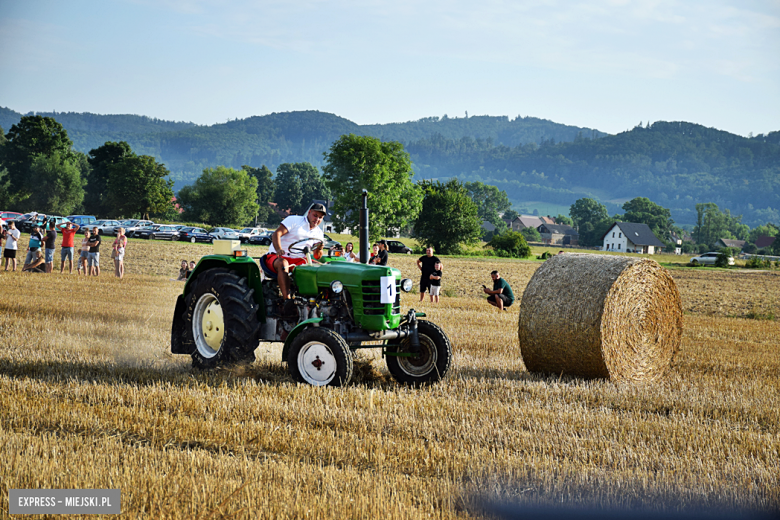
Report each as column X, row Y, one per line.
column 428, row 365
column 319, row 357
column 220, row 320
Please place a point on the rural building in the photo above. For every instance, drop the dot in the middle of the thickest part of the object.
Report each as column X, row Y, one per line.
column 488, row 226
column 524, row 221
column 631, row 238
column 762, row 241
column 727, row 242
column 558, row 234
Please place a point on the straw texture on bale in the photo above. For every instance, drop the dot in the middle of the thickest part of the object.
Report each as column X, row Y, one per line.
column 600, row 316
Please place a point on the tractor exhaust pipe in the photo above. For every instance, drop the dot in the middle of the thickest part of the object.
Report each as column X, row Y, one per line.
column 364, row 229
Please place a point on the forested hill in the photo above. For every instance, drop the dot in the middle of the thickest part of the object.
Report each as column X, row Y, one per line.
column 674, row 164
column 277, row 138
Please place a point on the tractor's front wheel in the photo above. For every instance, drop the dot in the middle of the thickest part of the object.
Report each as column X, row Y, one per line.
column 429, row 364
column 319, row 357
column 220, row 320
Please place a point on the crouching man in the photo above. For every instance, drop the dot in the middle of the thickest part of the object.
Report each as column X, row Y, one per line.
column 501, row 296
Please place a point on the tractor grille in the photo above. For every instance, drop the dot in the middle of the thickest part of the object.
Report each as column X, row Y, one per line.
column 371, row 299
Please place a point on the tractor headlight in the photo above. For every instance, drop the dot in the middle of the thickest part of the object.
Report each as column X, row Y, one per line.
column 336, row 287
column 406, row 284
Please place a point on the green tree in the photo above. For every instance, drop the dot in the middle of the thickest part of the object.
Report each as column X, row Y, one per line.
column 587, row 210
column 713, row 224
column 449, row 217
column 642, row 210
column 221, row 196
column 510, row 243
column 101, row 160
column 59, row 187
column 355, row 163
column 137, row 185
column 297, row 185
column 265, row 190
column 490, row 200
column 563, row 219
column 32, row 138
column 510, row 215
column 531, row 234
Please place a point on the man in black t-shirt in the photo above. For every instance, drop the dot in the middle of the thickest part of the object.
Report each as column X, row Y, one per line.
column 51, row 242
column 427, row 265
column 382, row 254
column 93, row 257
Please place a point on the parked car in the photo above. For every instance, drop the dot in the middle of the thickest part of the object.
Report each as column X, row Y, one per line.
column 223, row 233
column 137, row 225
column 248, row 232
column 106, row 227
column 158, row 231
column 9, row 215
column 709, row 259
column 263, row 239
column 35, row 219
column 195, row 234
column 137, row 229
column 329, row 242
column 395, row 246
column 83, row 221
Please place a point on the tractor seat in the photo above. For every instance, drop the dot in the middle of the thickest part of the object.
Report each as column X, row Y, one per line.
column 268, row 273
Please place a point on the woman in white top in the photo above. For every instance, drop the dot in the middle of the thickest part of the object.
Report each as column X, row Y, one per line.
column 11, row 245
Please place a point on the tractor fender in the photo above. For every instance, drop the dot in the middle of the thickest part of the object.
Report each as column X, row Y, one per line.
column 297, row 330
column 177, row 330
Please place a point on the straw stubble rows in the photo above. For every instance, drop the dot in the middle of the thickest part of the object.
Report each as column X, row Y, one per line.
column 91, row 398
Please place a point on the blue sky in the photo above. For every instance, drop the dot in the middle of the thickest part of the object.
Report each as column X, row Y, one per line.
column 606, row 64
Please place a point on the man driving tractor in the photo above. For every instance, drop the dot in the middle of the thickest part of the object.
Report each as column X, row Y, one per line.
column 280, row 258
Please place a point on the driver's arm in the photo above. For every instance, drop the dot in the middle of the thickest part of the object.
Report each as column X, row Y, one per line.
column 276, row 239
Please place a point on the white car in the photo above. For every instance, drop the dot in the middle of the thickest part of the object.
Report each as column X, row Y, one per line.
column 223, row 233
column 245, row 234
column 106, row 227
column 708, row 259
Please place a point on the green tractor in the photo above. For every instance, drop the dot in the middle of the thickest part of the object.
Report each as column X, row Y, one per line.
column 229, row 305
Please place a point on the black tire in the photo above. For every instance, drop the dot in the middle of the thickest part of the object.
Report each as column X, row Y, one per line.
column 320, row 357
column 226, row 296
column 430, row 365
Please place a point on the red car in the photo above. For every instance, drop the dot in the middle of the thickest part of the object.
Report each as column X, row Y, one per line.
column 8, row 215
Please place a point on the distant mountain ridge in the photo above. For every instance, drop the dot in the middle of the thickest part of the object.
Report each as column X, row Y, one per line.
column 675, row 164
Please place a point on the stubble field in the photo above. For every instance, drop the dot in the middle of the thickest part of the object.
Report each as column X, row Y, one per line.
column 90, row 397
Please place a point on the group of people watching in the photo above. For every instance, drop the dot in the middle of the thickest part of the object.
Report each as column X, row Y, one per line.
column 42, row 245
column 185, row 270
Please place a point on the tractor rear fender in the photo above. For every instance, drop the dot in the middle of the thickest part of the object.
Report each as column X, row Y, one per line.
column 177, row 330
column 314, row 322
column 243, row 266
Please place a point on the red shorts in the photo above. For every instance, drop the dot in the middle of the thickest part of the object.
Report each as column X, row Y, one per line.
column 270, row 258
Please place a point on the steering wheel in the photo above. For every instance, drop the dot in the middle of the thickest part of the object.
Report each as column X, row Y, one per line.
column 305, row 249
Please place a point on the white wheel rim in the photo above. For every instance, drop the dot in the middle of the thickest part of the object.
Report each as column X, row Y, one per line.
column 208, row 325
column 411, row 365
column 316, row 363
column 192, row 240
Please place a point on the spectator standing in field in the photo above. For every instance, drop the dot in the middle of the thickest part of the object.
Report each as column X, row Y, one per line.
column 2, row 237
column 435, row 283
column 11, row 245
column 427, row 265
column 33, row 246
column 374, row 259
column 66, row 248
column 501, row 295
column 118, row 253
column 93, row 257
column 84, row 254
column 50, row 244
column 382, row 254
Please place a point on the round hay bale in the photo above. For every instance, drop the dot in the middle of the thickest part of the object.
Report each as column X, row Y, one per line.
column 600, row 316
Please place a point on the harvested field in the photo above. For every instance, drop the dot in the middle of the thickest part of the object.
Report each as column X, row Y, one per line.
column 91, row 398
